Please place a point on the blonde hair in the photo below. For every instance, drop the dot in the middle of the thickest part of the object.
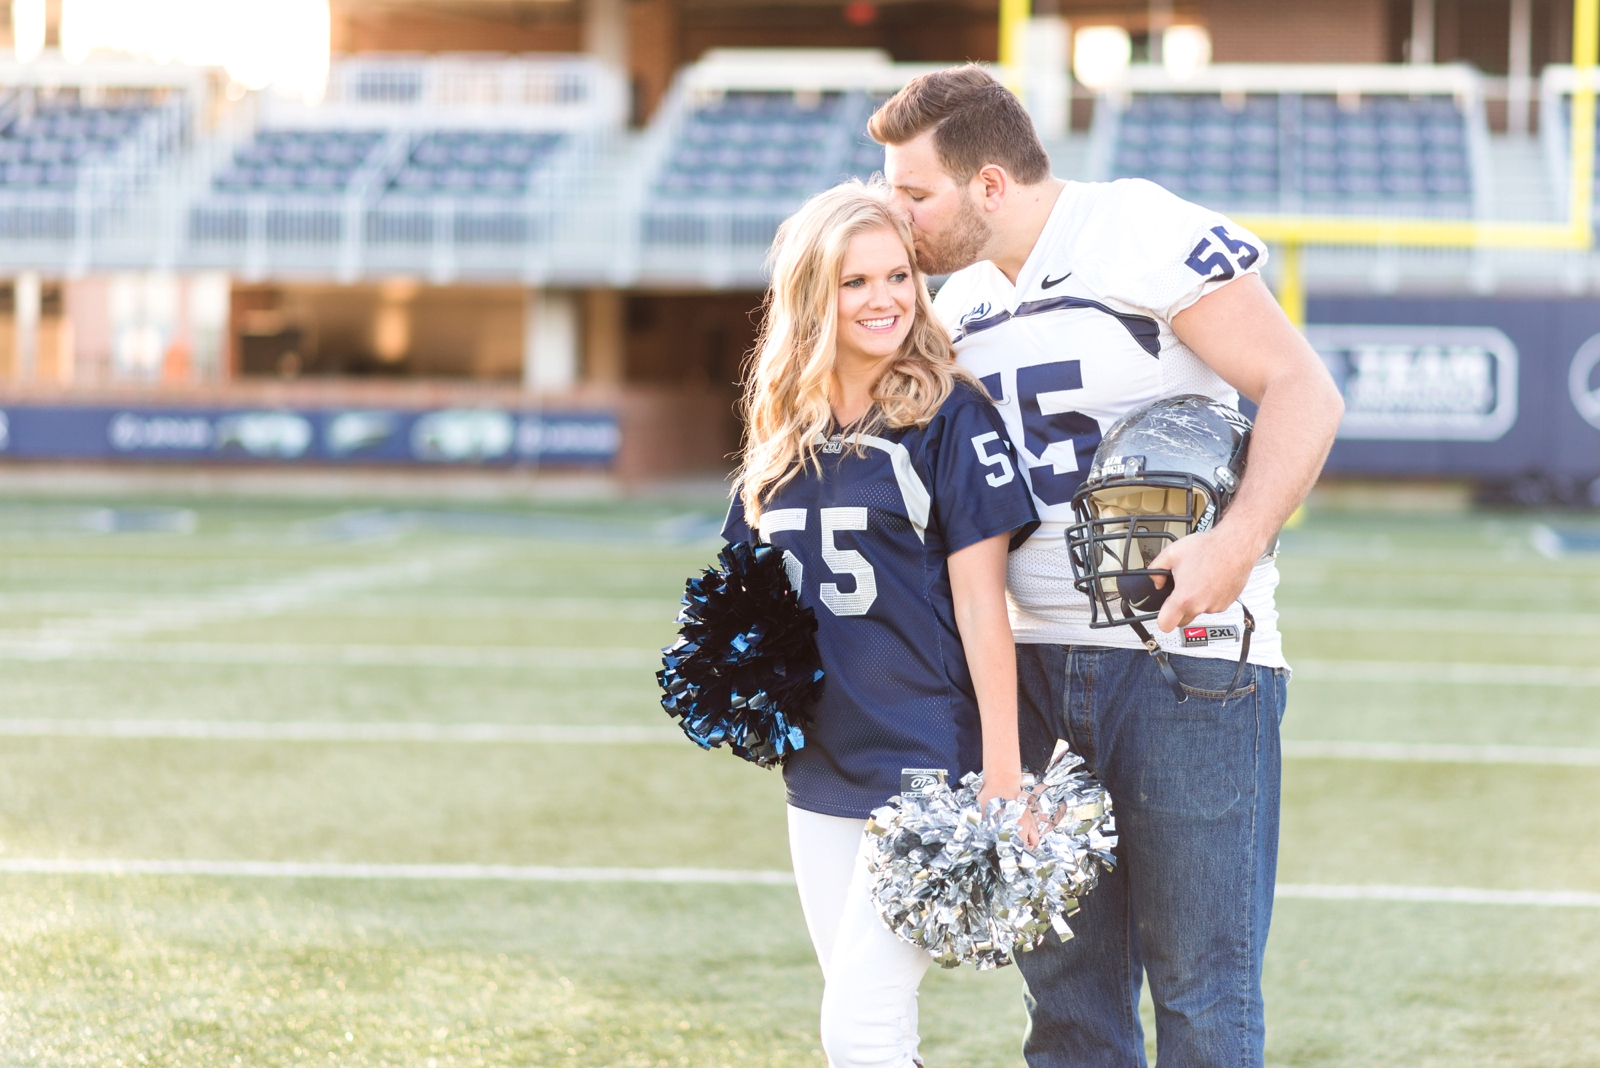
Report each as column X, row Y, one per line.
column 786, row 404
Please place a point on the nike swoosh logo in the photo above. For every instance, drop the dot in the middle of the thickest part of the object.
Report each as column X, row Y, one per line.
column 1051, row 283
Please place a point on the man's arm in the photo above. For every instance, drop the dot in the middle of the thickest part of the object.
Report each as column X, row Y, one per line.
column 1242, row 334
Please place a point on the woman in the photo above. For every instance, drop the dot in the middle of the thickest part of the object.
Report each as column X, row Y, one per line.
column 884, row 473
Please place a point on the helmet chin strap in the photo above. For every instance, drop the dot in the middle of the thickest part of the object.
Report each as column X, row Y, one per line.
column 1164, row 662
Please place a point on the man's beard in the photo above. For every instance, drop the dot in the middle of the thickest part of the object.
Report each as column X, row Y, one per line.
column 961, row 245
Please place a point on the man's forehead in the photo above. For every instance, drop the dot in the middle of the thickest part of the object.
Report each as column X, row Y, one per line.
column 914, row 164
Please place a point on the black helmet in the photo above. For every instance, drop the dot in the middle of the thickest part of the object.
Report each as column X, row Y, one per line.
column 1163, row 471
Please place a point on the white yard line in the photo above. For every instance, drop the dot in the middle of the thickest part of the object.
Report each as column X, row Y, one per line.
column 1446, row 673
column 632, row 609
column 267, row 869
column 601, row 734
column 1424, row 753
column 1422, row 621
column 520, row 656
column 438, row 656
column 1441, row 895
column 339, row 732
column 252, row 601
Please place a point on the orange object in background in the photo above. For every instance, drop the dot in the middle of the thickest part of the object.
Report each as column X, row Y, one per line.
column 176, row 364
column 861, row 13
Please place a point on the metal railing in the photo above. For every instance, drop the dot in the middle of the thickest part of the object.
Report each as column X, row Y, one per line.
column 595, row 214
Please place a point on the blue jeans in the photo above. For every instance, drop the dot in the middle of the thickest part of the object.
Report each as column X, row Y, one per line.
column 1195, row 790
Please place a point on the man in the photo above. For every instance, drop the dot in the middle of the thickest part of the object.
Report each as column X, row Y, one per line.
column 1076, row 303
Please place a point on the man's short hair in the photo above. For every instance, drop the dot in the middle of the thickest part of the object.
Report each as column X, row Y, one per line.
column 975, row 121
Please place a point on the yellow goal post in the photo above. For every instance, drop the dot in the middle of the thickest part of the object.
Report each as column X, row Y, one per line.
column 1291, row 232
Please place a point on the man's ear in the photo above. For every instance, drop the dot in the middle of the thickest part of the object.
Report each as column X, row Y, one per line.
column 990, row 186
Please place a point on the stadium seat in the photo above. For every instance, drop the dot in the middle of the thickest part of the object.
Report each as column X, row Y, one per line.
column 288, row 161
column 1287, row 150
column 49, row 148
column 474, row 163
column 402, row 193
column 753, row 156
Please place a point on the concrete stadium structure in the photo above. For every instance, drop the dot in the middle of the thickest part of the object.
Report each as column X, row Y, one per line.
column 563, row 206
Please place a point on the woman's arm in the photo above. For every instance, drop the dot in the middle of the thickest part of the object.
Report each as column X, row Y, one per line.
column 978, row 587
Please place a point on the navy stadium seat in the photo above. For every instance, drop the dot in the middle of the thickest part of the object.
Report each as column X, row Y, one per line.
column 761, row 146
column 474, row 163
column 753, row 156
column 297, row 161
column 1269, row 150
column 48, row 149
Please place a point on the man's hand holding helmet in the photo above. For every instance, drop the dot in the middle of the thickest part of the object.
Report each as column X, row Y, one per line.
column 1209, row 571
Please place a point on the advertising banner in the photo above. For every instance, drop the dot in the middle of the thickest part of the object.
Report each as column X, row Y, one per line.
column 444, row 436
column 1486, row 388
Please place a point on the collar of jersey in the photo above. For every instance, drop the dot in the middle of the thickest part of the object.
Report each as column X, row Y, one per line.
column 918, row 501
column 1038, row 257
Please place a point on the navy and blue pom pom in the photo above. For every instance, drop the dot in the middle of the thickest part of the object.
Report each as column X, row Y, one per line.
column 745, row 671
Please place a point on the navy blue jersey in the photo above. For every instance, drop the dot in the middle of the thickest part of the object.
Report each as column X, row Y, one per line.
column 865, row 543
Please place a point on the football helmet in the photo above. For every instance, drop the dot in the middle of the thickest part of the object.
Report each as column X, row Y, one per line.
column 1162, row 472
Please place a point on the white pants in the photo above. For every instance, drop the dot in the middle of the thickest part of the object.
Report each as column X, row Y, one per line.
column 870, row 977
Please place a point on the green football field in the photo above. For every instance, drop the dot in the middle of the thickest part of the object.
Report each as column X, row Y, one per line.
column 273, row 715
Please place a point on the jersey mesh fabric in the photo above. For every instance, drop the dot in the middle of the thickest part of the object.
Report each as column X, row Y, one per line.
column 1082, row 338
column 896, row 693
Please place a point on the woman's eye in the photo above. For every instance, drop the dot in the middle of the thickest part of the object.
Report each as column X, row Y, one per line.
column 898, row 277
column 856, row 283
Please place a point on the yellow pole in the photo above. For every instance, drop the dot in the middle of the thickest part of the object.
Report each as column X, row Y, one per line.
column 1585, row 45
column 1291, row 284
column 1576, row 232
column 1013, row 21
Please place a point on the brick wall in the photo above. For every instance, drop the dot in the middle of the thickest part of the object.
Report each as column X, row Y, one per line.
column 1298, row 31
column 454, row 26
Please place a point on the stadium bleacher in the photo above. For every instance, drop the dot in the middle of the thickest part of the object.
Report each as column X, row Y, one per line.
column 1371, row 141
column 518, row 168
column 407, row 165
column 476, row 163
column 397, row 175
column 81, row 149
column 49, row 148
column 1555, row 95
column 322, row 161
column 760, row 145
column 742, row 140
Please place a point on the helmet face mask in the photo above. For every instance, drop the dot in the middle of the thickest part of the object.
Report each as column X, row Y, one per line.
column 1163, row 472
column 1122, row 527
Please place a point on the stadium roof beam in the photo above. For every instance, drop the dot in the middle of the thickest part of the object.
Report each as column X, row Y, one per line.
column 52, row 71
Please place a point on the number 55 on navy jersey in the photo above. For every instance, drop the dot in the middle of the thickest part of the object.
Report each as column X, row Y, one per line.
column 865, row 542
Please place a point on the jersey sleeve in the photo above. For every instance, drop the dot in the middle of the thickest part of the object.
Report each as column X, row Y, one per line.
column 734, row 528
column 978, row 492
column 1147, row 248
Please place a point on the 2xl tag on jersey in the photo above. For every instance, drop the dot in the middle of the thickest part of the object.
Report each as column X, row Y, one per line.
column 1206, row 635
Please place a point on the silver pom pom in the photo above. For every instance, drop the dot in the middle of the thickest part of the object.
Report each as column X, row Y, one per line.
column 961, row 884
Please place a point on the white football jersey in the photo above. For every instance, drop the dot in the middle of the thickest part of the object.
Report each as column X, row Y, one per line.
column 1084, row 337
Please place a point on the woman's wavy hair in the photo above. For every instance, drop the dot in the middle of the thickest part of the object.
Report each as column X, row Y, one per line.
column 788, row 375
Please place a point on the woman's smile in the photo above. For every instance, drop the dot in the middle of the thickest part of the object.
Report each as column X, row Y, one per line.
column 877, row 301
